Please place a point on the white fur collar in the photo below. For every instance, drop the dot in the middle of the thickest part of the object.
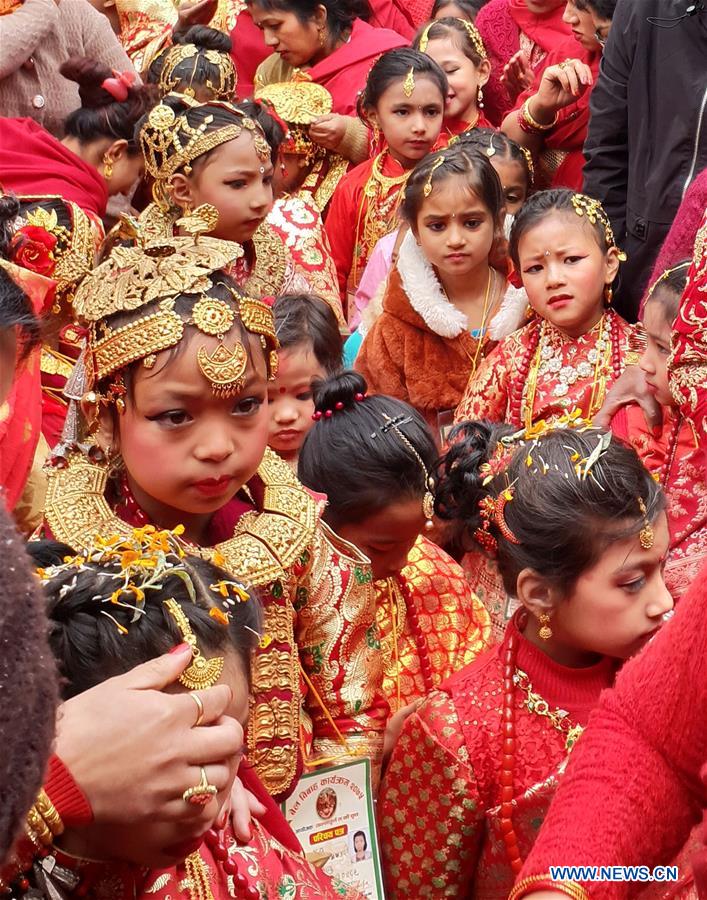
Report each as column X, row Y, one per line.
column 429, row 301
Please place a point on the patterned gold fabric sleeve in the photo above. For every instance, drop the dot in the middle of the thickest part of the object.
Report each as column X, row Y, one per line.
column 430, row 814
column 687, row 365
column 145, row 28
column 486, row 394
column 340, row 653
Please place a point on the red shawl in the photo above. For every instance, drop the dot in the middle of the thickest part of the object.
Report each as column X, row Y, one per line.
column 500, row 24
column 34, row 162
column 21, row 413
column 344, row 72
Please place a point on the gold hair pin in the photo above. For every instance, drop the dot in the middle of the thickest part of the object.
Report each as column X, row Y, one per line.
column 646, row 534
column 201, row 672
column 594, row 212
column 427, row 189
column 409, row 83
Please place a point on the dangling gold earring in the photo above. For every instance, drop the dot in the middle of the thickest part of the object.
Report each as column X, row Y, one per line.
column 608, row 294
column 480, row 97
column 376, row 136
column 322, row 39
column 107, row 166
column 545, row 632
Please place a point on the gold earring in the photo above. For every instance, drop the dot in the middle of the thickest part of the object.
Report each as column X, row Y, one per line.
column 480, row 97
column 107, row 166
column 545, row 632
column 608, row 294
column 322, row 39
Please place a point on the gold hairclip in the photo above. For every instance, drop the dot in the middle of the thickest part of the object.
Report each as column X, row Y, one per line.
column 646, row 535
column 201, row 672
column 178, row 53
column 409, row 83
column 471, row 30
column 531, row 167
column 594, row 211
column 428, row 499
column 427, row 189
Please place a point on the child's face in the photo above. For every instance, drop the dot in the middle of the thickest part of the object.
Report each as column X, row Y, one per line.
column 454, row 228
column 618, row 604
column 237, row 182
column 411, row 125
column 463, row 76
column 584, row 26
column 186, row 451
column 290, row 402
column 654, row 361
column 564, row 271
column 513, row 181
column 387, row 536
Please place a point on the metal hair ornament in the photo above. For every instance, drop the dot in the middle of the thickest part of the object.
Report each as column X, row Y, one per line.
column 471, row 30
column 646, row 534
column 594, row 211
column 663, row 276
column 492, row 510
column 201, row 672
column 428, row 499
column 224, row 89
column 409, row 83
column 339, row 406
column 427, row 189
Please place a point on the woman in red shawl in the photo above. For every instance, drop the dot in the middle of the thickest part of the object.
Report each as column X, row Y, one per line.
column 522, row 30
column 63, row 188
column 327, row 43
column 551, row 118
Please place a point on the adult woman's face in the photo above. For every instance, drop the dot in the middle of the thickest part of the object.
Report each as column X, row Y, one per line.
column 298, row 43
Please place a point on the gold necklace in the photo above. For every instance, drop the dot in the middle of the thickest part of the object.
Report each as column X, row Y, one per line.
column 482, row 329
column 559, row 718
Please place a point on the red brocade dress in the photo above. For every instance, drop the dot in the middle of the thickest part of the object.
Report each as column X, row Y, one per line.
column 363, row 209
column 443, row 807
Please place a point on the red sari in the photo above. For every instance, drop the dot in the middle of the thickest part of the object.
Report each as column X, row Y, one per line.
column 561, row 160
column 507, row 26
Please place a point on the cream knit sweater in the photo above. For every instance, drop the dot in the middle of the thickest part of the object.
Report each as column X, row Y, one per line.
column 34, row 41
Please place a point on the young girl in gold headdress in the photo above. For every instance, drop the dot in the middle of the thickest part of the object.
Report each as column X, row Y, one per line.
column 216, row 156
column 174, row 396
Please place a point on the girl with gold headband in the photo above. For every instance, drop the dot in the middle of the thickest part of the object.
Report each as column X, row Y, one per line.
column 198, row 64
column 215, row 158
column 568, row 356
column 173, row 392
column 456, row 45
column 578, row 528
column 114, row 603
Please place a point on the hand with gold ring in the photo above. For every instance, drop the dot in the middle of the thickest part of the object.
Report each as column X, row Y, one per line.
column 560, row 86
column 199, row 706
column 202, row 794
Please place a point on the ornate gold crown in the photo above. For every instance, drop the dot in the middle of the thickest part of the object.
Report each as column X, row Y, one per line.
column 297, row 102
column 170, row 143
column 224, row 89
column 148, row 279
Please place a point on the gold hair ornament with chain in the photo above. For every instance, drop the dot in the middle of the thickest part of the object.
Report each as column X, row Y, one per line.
column 428, row 499
column 472, row 31
column 594, row 212
column 224, row 89
column 201, row 672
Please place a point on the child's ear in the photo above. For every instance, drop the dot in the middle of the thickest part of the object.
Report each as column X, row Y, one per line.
column 612, row 264
column 181, row 190
column 535, row 593
column 484, row 70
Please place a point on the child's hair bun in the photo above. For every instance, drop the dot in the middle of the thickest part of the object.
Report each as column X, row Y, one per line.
column 342, row 388
column 205, row 38
column 89, row 74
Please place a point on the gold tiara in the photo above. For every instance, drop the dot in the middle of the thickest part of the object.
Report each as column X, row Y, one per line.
column 178, row 53
column 594, row 212
column 296, row 102
column 471, row 30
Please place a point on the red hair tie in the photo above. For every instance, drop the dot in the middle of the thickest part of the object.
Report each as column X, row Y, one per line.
column 119, row 84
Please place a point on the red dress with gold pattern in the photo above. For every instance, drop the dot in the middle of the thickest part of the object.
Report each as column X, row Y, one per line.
column 676, row 459
column 430, row 624
column 439, row 805
column 363, row 209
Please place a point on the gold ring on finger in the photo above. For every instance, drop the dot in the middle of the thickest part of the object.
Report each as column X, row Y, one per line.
column 202, row 793
column 200, row 707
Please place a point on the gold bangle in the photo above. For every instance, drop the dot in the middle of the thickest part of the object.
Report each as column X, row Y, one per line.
column 533, row 123
column 48, row 812
column 39, row 827
column 544, row 882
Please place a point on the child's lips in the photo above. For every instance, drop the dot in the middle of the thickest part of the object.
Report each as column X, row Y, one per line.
column 559, row 300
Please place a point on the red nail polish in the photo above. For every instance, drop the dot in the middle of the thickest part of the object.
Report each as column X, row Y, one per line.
column 180, row 648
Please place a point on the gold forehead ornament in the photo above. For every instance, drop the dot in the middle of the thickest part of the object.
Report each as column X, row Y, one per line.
column 201, row 673
column 409, row 83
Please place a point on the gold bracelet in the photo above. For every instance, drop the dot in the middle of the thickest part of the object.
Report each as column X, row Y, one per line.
column 48, row 812
column 544, row 882
column 533, row 123
column 39, row 828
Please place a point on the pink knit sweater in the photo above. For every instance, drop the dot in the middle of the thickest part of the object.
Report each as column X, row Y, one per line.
column 34, row 41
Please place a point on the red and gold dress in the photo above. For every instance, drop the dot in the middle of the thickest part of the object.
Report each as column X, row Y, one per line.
column 362, row 211
column 317, row 675
column 675, row 458
column 539, row 372
column 460, row 798
column 430, row 624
